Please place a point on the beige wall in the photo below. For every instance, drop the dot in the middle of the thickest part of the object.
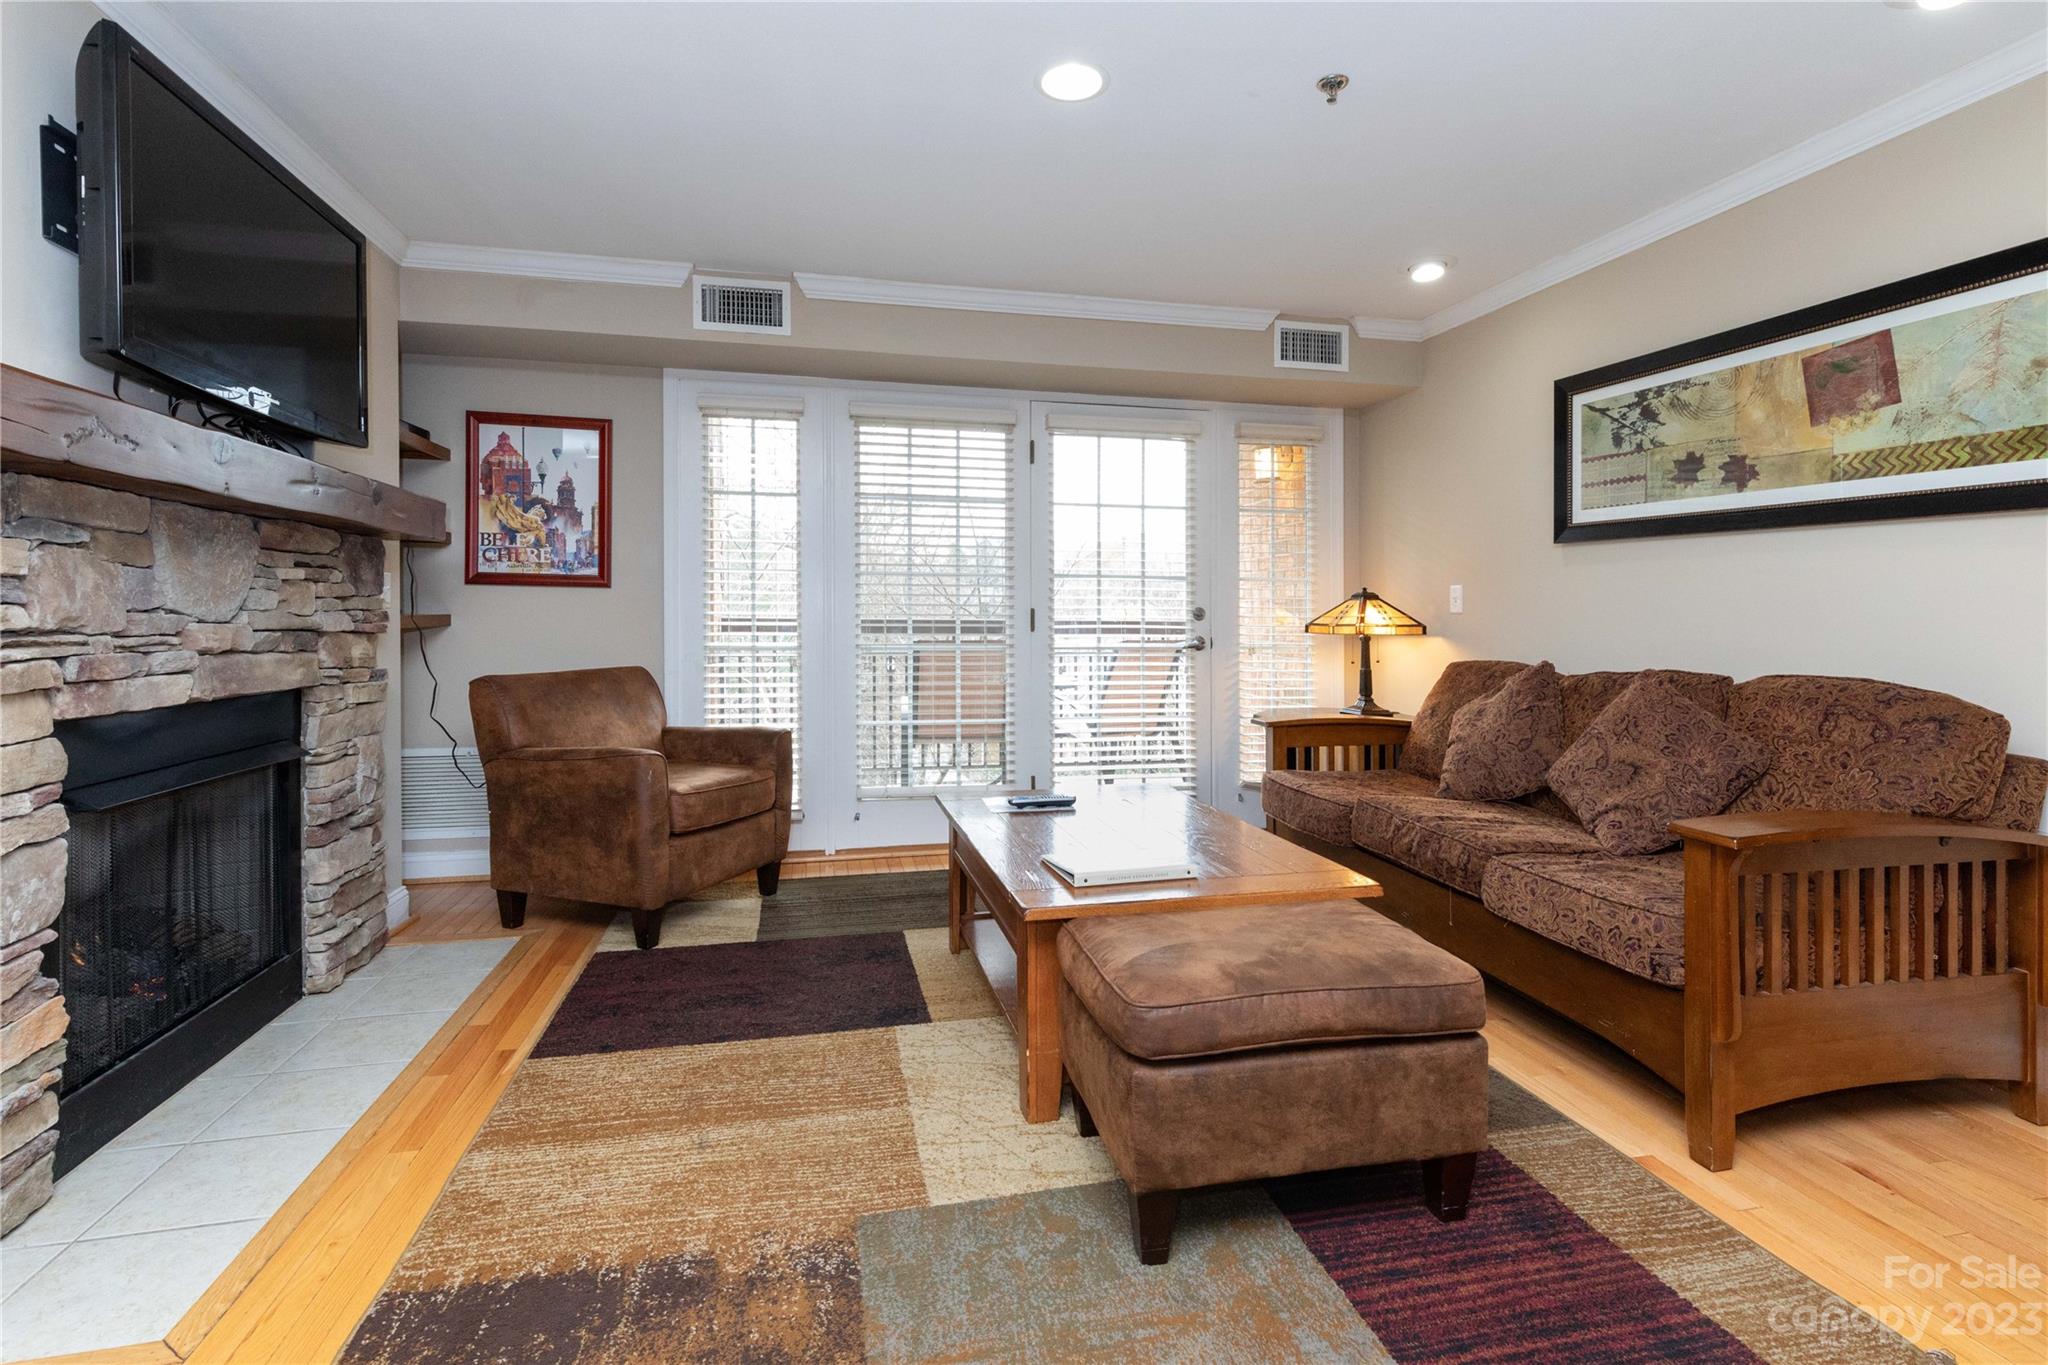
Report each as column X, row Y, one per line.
column 526, row 630
column 38, row 279
column 511, row 318
column 1456, row 484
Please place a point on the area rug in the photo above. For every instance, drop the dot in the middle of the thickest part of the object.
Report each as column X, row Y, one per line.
column 777, row 1142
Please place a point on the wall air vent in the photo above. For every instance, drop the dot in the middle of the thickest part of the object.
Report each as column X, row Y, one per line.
column 740, row 305
column 436, row 798
column 1312, row 345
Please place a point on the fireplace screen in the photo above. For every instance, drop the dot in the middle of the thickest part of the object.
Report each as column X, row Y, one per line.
column 181, row 923
column 172, row 902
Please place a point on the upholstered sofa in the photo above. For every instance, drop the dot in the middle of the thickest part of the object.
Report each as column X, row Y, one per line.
column 1870, row 910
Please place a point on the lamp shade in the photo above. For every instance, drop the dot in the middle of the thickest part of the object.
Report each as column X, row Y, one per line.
column 1366, row 613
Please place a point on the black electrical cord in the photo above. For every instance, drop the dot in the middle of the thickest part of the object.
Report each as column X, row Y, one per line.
column 434, row 688
column 238, row 424
column 235, row 422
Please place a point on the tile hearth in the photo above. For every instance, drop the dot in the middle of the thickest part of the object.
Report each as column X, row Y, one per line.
column 139, row 1231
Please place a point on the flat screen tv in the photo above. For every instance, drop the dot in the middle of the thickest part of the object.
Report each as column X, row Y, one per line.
column 205, row 267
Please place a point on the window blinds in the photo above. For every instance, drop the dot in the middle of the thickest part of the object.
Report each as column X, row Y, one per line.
column 1135, row 423
column 934, row 647
column 1275, row 587
column 1279, row 433
column 751, row 569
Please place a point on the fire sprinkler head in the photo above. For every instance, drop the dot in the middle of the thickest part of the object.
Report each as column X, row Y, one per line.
column 1332, row 85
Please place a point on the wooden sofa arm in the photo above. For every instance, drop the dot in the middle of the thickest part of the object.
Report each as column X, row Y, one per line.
column 1826, row 949
column 1765, row 828
column 1782, row 902
column 585, row 824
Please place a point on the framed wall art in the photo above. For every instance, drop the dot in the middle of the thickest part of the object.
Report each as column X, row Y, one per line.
column 1922, row 398
column 540, row 492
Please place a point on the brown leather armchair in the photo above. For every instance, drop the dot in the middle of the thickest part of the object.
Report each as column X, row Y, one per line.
column 594, row 797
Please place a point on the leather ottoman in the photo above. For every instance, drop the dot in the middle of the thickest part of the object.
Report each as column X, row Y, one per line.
column 1220, row 1045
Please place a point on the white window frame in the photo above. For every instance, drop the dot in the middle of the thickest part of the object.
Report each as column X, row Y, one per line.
column 834, row 819
column 1325, row 532
column 990, row 444
column 878, row 821
column 683, row 552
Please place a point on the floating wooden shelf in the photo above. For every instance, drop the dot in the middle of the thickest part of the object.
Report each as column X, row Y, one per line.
column 64, row 432
column 424, row 621
column 413, row 446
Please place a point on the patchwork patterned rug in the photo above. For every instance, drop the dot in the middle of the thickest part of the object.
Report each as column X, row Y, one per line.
column 791, row 1134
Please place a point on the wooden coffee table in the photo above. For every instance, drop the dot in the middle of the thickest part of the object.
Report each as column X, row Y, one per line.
column 995, row 878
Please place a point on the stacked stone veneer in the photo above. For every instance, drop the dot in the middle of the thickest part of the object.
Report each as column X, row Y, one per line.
column 112, row 602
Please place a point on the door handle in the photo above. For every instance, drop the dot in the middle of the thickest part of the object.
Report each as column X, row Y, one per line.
column 1194, row 643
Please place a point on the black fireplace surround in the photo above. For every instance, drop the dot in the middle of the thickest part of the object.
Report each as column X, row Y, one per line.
column 180, row 932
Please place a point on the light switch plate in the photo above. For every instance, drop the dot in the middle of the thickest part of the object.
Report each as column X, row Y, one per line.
column 1457, row 598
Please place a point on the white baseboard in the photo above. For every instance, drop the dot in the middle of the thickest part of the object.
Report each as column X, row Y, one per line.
column 397, row 907
column 466, row 862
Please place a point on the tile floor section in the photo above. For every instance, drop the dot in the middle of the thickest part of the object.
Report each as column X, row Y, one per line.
column 162, row 1209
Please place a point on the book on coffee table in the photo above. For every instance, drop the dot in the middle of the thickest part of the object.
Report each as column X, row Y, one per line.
column 1119, row 867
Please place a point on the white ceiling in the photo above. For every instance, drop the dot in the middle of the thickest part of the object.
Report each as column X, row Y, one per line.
column 909, row 142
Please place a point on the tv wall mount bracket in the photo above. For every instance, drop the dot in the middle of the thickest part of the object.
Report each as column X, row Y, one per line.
column 61, row 189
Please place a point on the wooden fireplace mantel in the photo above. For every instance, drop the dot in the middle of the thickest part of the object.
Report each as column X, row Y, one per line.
column 64, row 432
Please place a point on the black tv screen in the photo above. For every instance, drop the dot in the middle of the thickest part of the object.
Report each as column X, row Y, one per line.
column 205, row 266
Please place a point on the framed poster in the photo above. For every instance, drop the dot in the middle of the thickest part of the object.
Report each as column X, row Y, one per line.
column 1922, row 398
column 540, row 500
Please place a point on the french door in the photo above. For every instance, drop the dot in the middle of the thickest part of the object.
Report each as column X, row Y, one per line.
column 927, row 610
column 1115, row 597
column 986, row 591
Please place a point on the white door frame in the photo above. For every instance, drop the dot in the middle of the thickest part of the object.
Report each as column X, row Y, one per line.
column 1203, row 575
column 833, row 818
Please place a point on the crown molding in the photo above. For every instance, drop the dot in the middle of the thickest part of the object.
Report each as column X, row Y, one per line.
column 153, row 25
column 545, row 265
column 1965, row 85
column 969, row 298
column 1387, row 329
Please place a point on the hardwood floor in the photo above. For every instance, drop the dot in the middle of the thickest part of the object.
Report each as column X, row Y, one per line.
column 1927, row 1204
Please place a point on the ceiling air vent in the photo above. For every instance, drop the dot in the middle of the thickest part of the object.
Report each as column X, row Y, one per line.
column 741, row 305
column 1312, row 346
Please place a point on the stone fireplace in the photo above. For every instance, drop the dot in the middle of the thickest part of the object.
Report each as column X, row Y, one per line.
column 114, row 603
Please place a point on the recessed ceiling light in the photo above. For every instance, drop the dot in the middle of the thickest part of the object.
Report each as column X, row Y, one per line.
column 1071, row 81
column 1939, row 4
column 1427, row 272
